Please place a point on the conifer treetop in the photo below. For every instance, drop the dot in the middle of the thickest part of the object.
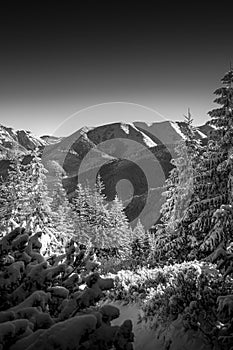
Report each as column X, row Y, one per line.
column 222, row 118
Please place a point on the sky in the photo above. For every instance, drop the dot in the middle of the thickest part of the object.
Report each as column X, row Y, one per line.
column 58, row 59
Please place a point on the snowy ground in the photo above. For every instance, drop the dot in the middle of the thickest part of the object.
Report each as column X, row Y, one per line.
column 145, row 339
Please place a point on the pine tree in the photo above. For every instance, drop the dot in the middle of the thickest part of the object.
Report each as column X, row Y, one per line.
column 179, row 185
column 208, row 218
column 91, row 214
column 140, row 243
column 105, row 224
column 98, row 206
column 12, row 189
column 24, row 195
column 37, row 193
column 222, row 160
column 170, row 239
column 146, row 245
column 80, row 210
column 62, row 215
column 120, row 234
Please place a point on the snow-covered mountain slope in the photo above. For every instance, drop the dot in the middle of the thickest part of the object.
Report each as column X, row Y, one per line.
column 50, row 139
column 121, row 130
column 20, row 140
column 137, row 152
column 148, row 135
column 120, row 151
column 168, row 132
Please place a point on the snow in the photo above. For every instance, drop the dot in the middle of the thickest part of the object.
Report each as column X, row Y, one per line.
column 203, row 136
column 107, row 156
column 149, row 143
column 167, row 132
column 177, row 129
column 14, row 132
column 85, row 129
column 8, row 134
column 4, row 134
column 32, row 137
column 145, row 338
column 125, row 127
column 150, row 124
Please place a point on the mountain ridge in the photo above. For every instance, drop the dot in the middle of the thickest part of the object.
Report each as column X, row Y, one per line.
column 139, row 152
column 22, row 140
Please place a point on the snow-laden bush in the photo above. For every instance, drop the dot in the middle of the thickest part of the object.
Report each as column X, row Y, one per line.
column 193, row 295
column 50, row 302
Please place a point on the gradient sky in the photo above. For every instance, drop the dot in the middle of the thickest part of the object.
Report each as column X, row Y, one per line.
column 57, row 59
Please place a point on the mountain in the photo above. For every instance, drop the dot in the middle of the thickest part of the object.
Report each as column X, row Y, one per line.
column 15, row 141
column 133, row 160
column 169, row 132
column 21, row 140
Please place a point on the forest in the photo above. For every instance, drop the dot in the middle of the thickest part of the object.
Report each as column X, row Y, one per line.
column 68, row 267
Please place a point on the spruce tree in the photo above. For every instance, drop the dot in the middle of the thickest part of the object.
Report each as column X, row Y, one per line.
column 37, row 192
column 140, row 243
column 91, row 215
column 119, row 233
column 221, row 165
column 208, row 218
column 12, row 189
column 61, row 212
column 24, row 195
column 179, row 187
column 181, row 180
column 104, row 224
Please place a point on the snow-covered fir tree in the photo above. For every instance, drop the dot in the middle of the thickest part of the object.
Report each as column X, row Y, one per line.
column 221, row 167
column 12, row 189
column 91, row 214
column 208, row 218
column 104, row 223
column 24, row 195
column 62, row 215
column 141, row 243
column 120, row 232
column 179, row 190
column 38, row 192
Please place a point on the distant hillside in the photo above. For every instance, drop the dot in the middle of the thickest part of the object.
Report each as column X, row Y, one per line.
column 138, row 152
column 21, row 140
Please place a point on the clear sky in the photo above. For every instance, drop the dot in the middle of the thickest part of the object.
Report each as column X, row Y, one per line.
column 57, row 59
